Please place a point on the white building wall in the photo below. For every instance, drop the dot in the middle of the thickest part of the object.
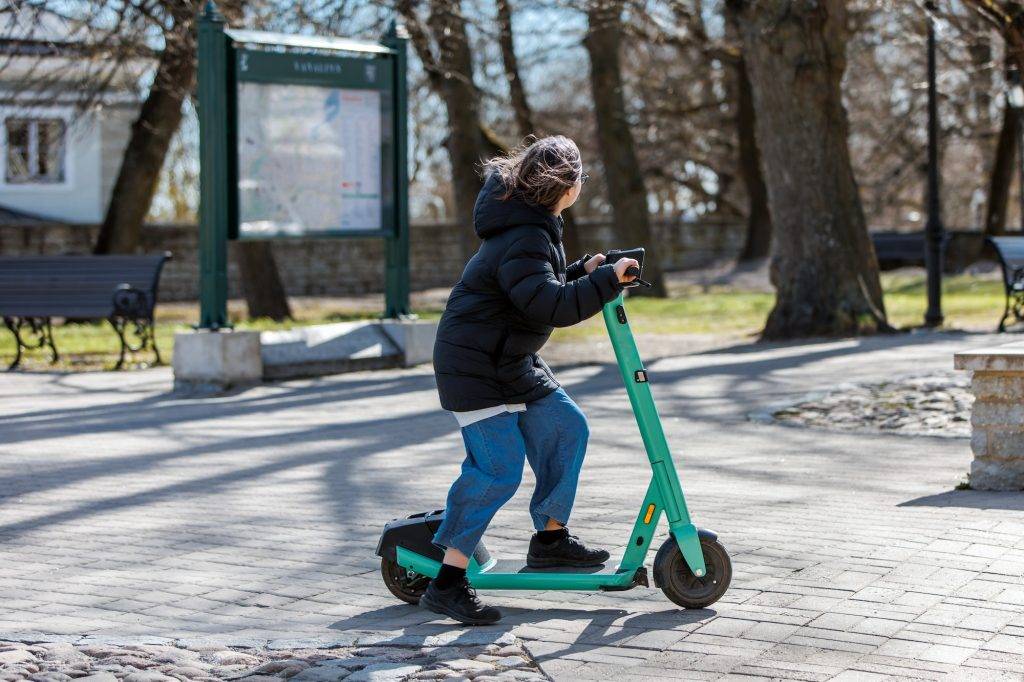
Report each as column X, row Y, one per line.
column 116, row 129
column 78, row 197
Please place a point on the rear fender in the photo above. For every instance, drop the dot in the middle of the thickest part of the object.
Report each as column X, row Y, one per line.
column 416, row 533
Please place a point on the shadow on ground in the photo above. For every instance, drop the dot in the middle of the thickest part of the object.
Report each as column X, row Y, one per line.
column 605, row 627
column 971, row 499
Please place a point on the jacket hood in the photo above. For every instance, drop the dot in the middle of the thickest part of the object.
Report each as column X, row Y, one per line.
column 492, row 215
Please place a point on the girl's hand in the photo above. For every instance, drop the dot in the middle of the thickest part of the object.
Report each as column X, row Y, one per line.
column 624, row 264
column 593, row 262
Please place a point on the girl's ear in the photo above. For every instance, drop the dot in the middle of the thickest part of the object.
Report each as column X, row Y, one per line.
column 564, row 201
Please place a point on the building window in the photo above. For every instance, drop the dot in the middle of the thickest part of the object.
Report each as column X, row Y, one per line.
column 35, row 150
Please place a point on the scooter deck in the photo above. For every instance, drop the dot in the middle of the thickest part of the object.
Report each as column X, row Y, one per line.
column 514, row 574
column 513, row 566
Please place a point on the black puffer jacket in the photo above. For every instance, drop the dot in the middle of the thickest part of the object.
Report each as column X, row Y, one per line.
column 513, row 292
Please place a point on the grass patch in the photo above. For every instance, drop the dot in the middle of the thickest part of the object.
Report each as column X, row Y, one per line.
column 968, row 302
column 689, row 312
column 94, row 345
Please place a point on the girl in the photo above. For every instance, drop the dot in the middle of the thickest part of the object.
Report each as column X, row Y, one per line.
column 506, row 400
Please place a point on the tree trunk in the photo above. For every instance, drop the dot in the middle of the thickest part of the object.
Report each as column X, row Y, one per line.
column 758, row 239
column 1001, row 179
column 143, row 159
column 466, row 144
column 520, row 105
column 261, row 281
column 158, row 121
column 626, row 190
column 823, row 265
column 524, row 113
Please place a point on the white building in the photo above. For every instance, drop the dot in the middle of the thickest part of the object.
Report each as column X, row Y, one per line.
column 60, row 156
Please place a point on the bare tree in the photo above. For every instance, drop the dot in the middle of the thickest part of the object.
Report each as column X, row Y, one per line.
column 152, row 131
column 1001, row 175
column 524, row 113
column 442, row 45
column 1007, row 17
column 622, row 174
column 517, row 93
column 757, row 242
column 159, row 118
column 823, row 265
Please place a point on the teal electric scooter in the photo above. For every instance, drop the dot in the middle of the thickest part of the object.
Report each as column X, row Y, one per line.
column 692, row 568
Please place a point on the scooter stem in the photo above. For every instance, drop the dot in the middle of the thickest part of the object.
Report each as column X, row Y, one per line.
column 665, row 477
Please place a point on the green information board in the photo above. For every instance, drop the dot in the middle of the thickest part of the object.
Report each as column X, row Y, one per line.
column 300, row 137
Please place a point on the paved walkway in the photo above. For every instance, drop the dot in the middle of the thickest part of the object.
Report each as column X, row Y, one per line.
column 127, row 513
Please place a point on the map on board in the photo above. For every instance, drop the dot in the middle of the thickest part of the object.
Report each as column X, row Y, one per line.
column 309, row 159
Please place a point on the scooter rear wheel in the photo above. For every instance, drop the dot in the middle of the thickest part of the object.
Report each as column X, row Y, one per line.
column 408, row 587
column 677, row 581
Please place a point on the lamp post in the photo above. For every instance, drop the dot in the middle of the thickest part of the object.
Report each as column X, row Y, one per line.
column 933, row 228
column 214, row 157
column 1015, row 100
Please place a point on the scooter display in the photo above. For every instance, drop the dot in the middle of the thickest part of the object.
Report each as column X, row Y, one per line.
column 691, row 567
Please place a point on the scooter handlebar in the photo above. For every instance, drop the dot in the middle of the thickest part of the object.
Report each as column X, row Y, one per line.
column 636, row 254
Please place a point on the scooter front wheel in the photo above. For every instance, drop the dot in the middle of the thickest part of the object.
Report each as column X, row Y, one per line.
column 677, row 581
column 407, row 586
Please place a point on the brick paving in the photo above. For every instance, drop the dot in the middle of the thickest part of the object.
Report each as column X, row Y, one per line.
column 130, row 515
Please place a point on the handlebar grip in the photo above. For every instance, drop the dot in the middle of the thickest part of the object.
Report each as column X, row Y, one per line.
column 634, row 272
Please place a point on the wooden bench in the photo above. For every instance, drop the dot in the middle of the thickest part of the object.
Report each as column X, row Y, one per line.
column 898, row 249
column 1010, row 251
column 960, row 248
column 119, row 289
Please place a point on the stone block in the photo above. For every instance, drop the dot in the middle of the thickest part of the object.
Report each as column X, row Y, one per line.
column 997, row 474
column 997, row 418
column 986, row 413
column 998, row 386
column 385, row 672
column 207, row 360
column 414, row 337
column 327, row 349
column 979, row 441
column 1008, row 358
column 1005, row 443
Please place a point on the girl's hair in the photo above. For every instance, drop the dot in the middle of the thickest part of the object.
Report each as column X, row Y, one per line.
column 540, row 171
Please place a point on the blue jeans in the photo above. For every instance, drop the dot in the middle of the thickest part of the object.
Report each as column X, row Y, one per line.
column 552, row 434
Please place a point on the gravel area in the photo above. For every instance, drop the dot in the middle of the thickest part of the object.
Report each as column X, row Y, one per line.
column 932, row 405
column 504, row 660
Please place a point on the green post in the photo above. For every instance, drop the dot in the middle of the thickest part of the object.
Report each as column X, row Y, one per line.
column 396, row 247
column 213, row 170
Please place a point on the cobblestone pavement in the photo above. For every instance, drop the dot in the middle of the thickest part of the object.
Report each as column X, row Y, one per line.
column 937, row 404
column 129, row 515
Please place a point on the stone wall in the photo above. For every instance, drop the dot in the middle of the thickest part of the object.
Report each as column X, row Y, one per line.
column 997, row 419
column 330, row 267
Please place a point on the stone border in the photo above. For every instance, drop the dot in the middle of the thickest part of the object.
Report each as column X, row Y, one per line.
column 997, row 421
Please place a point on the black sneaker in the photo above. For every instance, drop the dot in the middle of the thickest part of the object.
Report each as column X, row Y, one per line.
column 566, row 551
column 459, row 602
